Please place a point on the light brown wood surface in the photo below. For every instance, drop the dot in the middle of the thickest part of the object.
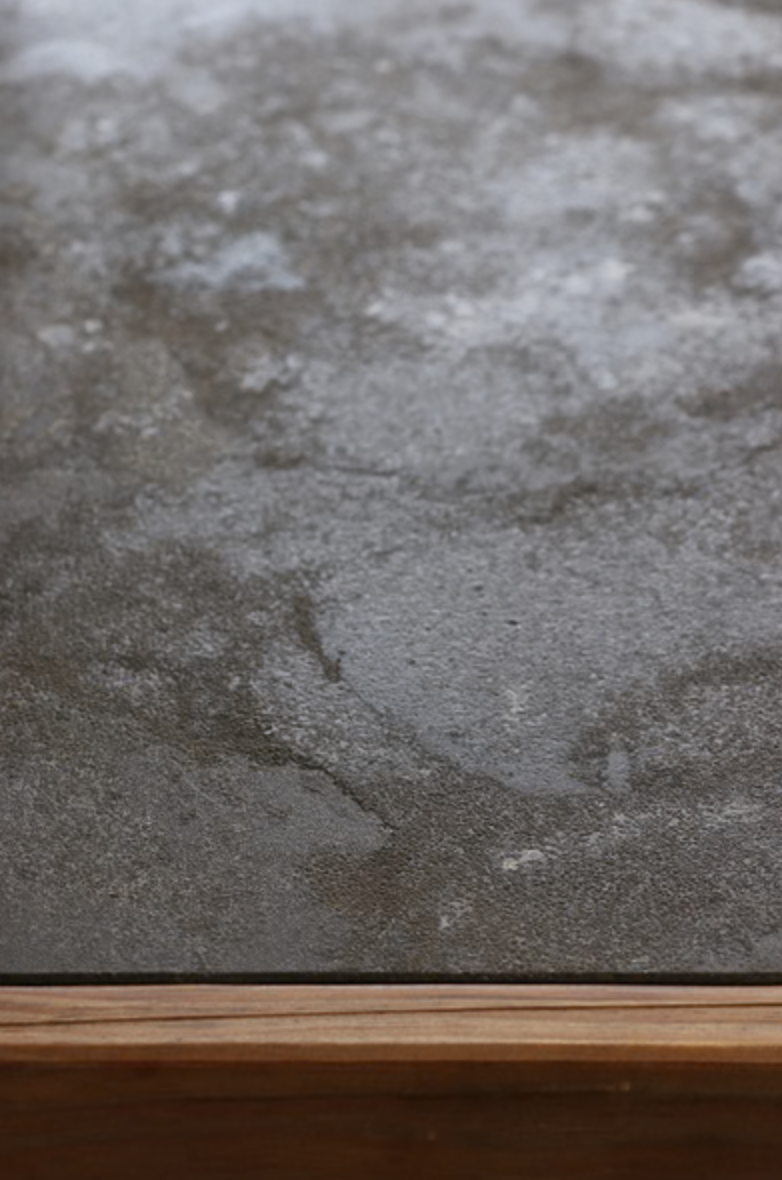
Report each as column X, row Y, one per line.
column 391, row 1023
column 454, row 1081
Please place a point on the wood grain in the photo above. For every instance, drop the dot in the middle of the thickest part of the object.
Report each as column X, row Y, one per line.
column 326, row 1082
column 391, row 1023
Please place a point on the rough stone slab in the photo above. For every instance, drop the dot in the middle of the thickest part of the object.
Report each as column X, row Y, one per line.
column 390, row 487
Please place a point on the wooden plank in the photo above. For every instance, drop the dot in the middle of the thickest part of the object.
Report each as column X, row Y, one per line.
column 546, row 1083
column 391, row 1023
column 231, row 1123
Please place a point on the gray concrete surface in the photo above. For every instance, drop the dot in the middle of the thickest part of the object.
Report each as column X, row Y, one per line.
column 390, row 487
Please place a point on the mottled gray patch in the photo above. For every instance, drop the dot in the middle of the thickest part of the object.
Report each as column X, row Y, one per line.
column 390, row 424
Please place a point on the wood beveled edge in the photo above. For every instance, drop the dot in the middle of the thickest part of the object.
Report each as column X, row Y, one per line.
column 378, row 1023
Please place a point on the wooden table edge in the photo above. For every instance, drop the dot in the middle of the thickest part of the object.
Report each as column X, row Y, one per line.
column 391, row 1023
column 305, row 1082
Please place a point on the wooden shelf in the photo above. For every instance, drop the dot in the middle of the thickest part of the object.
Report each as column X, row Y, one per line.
column 327, row 1081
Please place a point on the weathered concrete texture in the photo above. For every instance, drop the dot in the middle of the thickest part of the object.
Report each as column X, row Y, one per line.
column 391, row 427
